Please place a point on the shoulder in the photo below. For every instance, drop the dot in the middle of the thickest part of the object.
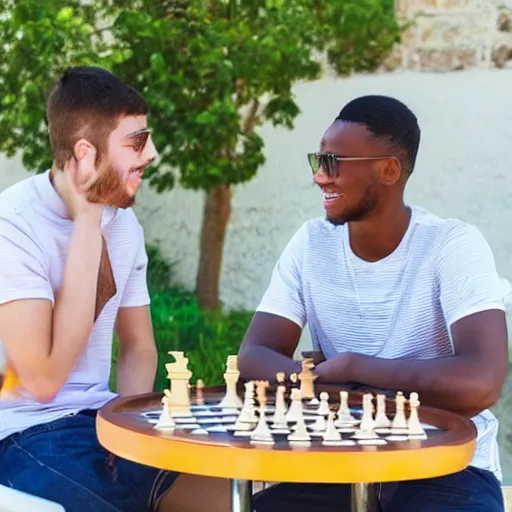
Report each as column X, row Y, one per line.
column 15, row 200
column 448, row 234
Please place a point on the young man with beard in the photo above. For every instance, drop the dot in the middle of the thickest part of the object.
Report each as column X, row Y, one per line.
column 395, row 298
column 73, row 269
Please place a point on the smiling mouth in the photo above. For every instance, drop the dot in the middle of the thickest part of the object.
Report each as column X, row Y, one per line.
column 330, row 196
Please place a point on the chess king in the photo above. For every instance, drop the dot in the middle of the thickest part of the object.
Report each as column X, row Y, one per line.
column 72, row 269
column 395, row 298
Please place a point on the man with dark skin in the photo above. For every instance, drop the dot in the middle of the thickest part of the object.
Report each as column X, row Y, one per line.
column 395, row 298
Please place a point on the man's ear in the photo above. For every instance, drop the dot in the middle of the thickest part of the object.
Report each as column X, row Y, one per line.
column 391, row 171
column 85, row 155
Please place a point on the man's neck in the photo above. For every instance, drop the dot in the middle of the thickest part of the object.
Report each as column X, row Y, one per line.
column 58, row 183
column 377, row 237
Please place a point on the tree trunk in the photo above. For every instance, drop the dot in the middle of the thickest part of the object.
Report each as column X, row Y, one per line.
column 216, row 212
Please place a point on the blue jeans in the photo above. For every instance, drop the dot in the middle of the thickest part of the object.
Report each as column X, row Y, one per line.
column 471, row 490
column 63, row 461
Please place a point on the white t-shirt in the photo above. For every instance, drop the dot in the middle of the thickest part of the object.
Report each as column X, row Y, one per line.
column 399, row 307
column 34, row 238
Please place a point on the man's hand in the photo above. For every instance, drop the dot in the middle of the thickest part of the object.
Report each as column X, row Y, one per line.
column 78, row 175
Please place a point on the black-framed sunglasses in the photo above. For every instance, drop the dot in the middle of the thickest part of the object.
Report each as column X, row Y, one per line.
column 330, row 162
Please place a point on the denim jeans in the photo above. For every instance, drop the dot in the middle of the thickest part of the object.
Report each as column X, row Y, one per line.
column 63, row 461
column 471, row 490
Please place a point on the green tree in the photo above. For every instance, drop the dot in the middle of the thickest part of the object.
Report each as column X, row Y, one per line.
column 211, row 70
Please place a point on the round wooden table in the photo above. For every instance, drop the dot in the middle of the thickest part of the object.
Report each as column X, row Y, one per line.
column 123, row 429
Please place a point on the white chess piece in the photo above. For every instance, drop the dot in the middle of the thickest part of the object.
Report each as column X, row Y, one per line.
column 414, row 428
column 319, row 425
column 399, row 423
column 179, row 377
column 296, row 409
column 231, row 399
column 323, row 408
column 165, row 420
column 381, row 419
column 248, row 412
column 345, row 418
column 367, row 427
column 262, row 434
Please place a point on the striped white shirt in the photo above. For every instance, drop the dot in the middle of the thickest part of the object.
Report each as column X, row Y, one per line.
column 35, row 233
column 399, row 307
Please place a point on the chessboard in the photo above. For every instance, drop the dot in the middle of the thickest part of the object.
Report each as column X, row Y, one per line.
column 290, row 416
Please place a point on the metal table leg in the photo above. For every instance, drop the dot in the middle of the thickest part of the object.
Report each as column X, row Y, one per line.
column 364, row 498
column 241, row 495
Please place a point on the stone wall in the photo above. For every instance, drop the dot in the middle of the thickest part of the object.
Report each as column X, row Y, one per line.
column 447, row 35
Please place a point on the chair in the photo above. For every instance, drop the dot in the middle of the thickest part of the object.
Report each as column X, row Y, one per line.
column 12, row 500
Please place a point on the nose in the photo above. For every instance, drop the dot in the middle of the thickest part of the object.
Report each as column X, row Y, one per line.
column 149, row 152
column 321, row 177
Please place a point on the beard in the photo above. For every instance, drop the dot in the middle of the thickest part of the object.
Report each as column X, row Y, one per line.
column 110, row 190
column 361, row 210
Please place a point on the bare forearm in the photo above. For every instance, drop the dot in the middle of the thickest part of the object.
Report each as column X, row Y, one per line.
column 73, row 315
column 454, row 383
column 263, row 363
column 136, row 370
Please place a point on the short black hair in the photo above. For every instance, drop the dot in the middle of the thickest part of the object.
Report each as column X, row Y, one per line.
column 389, row 119
column 88, row 102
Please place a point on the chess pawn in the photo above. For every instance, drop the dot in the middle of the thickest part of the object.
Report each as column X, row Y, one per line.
column 414, row 428
column 248, row 414
column 399, row 423
column 331, row 434
column 165, row 420
column 345, row 418
column 262, row 434
column 295, row 409
column 381, row 419
column 199, row 392
column 323, row 408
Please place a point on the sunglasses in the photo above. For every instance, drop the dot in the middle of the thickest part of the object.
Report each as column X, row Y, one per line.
column 330, row 162
column 139, row 139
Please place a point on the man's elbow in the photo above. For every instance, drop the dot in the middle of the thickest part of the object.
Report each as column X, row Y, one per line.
column 486, row 395
column 42, row 390
column 244, row 362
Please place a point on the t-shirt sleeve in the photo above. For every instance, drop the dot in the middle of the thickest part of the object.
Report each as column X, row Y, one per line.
column 283, row 296
column 23, row 273
column 468, row 280
column 136, row 292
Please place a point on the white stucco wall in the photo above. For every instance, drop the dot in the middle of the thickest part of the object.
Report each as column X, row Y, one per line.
column 464, row 170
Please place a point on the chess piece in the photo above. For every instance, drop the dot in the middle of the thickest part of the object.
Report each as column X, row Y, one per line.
column 279, row 417
column 231, row 399
column 367, row 426
column 248, row 414
column 381, row 419
column 199, row 392
column 300, row 432
column 165, row 420
column 293, row 381
column 414, row 428
column 261, row 392
column 280, row 379
column 323, row 408
column 262, row 434
column 345, row 418
column 319, row 424
column 307, row 379
column 295, row 410
column 179, row 376
column 399, row 423
column 331, row 434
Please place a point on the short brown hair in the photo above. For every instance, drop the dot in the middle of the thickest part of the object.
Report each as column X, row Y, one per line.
column 88, row 102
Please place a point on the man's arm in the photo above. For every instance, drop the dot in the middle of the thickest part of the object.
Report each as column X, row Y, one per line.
column 268, row 348
column 136, row 364
column 43, row 342
column 466, row 383
column 470, row 380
